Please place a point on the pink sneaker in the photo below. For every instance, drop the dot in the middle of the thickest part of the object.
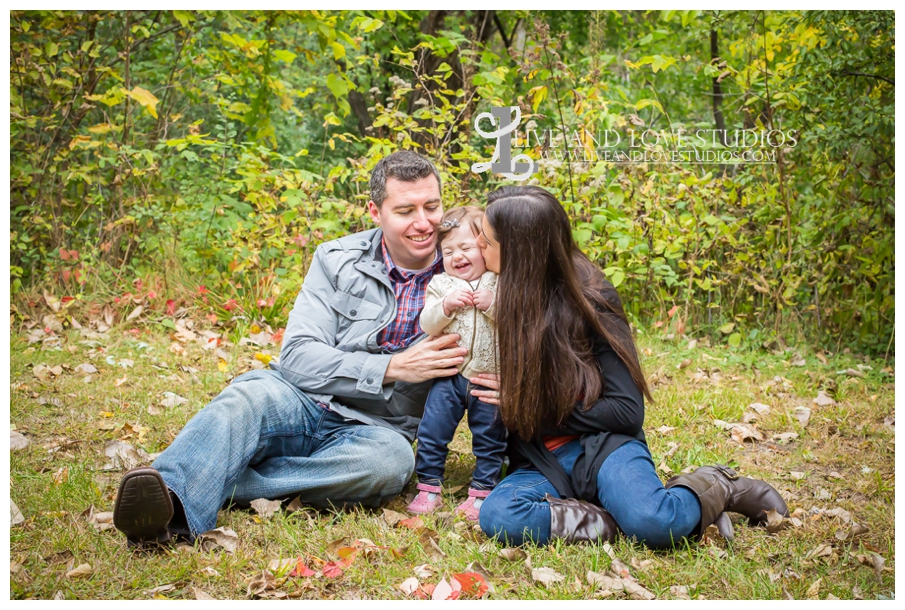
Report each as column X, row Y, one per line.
column 423, row 504
column 471, row 508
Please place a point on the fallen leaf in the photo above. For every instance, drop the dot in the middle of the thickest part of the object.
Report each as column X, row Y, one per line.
column 814, row 590
column 798, row 475
column 160, row 589
column 851, row 373
column 171, row 399
column 821, row 550
column 86, row 368
column 409, row 585
column 301, row 570
column 264, row 585
column 433, row 549
column 604, row 581
column 281, row 565
column 546, row 576
column 785, row 437
column 201, row 595
column 210, row 571
column 265, row 508
column 749, row 417
column 101, row 521
column 442, row 591
column 684, row 364
column 775, row 521
column 679, row 591
column 760, row 408
column 392, row 517
column 513, row 554
column 875, row 561
column 17, row 441
column 742, row 432
column 412, row 523
column 820, row 357
column 472, row 584
column 636, row 591
column 83, row 571
column 823, row 400
column 855, row 530
column 424, row 571
column 803, row 415
column 124, row 456
column 797, row 360
column 618, row 567
column 841, row 513
column 222, row 537
column 665, row 429
column 15, row 515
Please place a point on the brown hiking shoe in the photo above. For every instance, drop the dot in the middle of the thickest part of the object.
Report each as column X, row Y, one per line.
column 143, row 507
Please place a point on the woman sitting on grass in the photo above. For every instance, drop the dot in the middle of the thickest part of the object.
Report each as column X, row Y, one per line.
column 571, row 393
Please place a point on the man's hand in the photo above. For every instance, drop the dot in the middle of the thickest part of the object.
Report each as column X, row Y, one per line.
column 491, row 395
column 428, row 359
column 483, row 299
column 456, row 300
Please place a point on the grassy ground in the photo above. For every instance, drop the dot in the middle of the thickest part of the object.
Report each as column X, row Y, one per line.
column 843, row 458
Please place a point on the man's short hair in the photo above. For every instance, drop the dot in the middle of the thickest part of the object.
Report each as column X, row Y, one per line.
column 403, row 165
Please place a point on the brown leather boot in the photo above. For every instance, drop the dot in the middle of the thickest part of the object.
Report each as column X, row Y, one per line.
column 578, row 521
column 720, row 488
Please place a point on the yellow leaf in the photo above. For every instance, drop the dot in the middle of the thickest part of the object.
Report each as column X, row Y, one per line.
column 101, row 128
column 146, row 99
column 255, row 329
column 265, row 358
column 106, row 414
column 222, row 366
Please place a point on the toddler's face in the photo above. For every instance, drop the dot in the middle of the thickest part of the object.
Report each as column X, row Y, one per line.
column 461, row 256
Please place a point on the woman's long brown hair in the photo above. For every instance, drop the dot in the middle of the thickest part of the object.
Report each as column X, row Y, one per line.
column 552, row 302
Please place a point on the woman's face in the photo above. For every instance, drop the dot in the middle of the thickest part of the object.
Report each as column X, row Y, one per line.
column 489, row 246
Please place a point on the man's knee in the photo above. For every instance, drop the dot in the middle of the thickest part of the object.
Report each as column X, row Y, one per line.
column 395, row 464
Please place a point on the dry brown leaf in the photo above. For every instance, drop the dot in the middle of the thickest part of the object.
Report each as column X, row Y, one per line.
column 86, row 368
column 171, row 399
column 841, row 513
column 279, row 565
column 222, row 537
column 814, row 590
column 636, row 591
column 803, row 415
column 15, row 515
column 760, row 408
column 775, row 521
column 749, row 417
column 851, row 373
column 785, row 437
column 17, row 441
column 797, row 360
column 424, row 570
column 798, row 475
column 409, row 585
column 546, row 576
column 124, row 456
column 664, row 430
column 679, row 591
column 605, row 581
column 821, row 550
column 264, row 585
column 513, row 554
column 855, row 530
column 820, row 357
column 265, row 508
column 742, row 432
column 83, row 571
column 160, row 589
column 392, row 517
column 618, row 567
column 875, row 561
column 823, row 399
column 201, row 595
column 640, row 564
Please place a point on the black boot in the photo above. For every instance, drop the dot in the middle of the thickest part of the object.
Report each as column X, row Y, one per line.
column 719, row 488
column 143, row 507
column 578, row 521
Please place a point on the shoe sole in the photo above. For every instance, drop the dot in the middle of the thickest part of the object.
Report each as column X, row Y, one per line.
column 143, row 507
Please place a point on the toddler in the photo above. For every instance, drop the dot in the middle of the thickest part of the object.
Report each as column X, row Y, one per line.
column 460, row 301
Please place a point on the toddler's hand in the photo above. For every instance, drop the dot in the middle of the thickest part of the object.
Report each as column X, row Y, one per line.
column 456, row 300
column 483, row 299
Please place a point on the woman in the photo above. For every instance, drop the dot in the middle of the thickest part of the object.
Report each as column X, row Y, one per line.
column 571, row 393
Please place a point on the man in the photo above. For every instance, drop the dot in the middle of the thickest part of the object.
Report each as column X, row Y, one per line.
column 335, row 422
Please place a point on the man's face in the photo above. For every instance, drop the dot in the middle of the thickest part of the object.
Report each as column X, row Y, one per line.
column 408, row 216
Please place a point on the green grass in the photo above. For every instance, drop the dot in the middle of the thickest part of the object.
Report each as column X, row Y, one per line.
column 849, row 438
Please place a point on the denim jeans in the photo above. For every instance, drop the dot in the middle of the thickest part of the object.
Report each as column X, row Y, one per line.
column 628, row 488
column 447, row 402
column 264, row 438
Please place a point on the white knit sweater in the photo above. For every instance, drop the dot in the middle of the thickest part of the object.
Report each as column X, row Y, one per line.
column 474, row 327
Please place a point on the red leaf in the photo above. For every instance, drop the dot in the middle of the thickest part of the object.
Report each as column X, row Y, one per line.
column 64, row 254
column 74, row 255
column 66, row 274
column 134, row 332
column 413, row 524
column 302, row 570
column 658, row 324
column 673, row 311
column 65, row 300
column 202, row 289
column 262, row 303
column 152, row 295
column 332, row 569
column 425, row 591
column 171, row 307
column 230, row 305
column 277, row 337
column 472, row 583
column 212, row 317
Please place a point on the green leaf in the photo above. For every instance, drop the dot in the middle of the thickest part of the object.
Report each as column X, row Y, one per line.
column 337, row 85
column 647, row 102
column 581, row 235
column 183, row 17
column 284, row 55
column 617, row 278
column 339, row 51
column 51, row 49
column 735, row 339
column 332, row 119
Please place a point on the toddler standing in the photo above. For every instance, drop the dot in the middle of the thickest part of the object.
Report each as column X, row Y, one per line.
column 460, row 301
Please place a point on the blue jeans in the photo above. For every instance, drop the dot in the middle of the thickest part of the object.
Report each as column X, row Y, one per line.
column 264, row 438
column 628, row 488
column 447, row 402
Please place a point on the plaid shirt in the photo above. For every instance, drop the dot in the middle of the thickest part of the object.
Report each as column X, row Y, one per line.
column 410, row 289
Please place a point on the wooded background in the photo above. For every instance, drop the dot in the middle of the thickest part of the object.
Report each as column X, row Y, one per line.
column 198, row 158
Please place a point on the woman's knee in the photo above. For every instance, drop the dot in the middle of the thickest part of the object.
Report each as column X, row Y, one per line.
column 514, row 522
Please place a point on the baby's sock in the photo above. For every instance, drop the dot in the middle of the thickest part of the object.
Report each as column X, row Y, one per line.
column 431, row 496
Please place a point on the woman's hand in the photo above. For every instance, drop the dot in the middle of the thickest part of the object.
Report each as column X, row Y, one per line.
column 491, row 395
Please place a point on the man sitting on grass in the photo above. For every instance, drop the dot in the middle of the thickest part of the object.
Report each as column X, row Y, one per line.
column 334, row 422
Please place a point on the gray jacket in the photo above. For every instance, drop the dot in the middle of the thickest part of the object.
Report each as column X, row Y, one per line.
column 330, row 348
